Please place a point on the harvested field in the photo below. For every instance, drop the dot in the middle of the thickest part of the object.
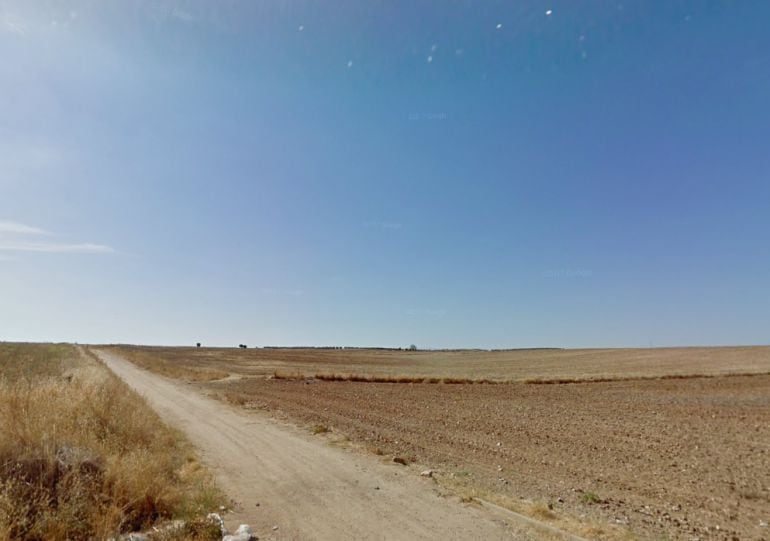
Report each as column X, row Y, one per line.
column 504, row 365
column 170, row 367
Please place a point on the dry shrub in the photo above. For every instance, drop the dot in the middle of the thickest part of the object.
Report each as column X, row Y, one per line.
column 319, row 429
column 84, row 457
column 455, row 381
column 197, row 529
column 236, row 399
column 541, row 511
column 378, row 378
column 291, row 376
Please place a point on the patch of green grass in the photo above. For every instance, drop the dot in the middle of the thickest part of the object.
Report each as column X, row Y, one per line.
column 590, row 498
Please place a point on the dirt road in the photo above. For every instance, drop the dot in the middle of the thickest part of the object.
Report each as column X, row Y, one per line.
column 283, row 477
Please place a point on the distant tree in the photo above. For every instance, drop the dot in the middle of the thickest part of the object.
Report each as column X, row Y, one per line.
column 197, row 344
column 412, row 347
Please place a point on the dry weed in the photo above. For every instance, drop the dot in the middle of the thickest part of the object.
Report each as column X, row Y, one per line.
column 170, row 368
column 377, row 378
column 83, row 457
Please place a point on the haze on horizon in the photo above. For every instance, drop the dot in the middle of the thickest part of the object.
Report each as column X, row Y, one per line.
column 493, row 175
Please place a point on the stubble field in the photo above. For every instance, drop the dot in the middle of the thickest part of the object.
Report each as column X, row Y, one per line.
column 502, row 365
column 652, row 444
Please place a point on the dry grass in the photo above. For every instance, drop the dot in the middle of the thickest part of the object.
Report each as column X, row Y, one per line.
column 542, row 511
column 35, row 361
column 83, row 457
column 586, row 527
column 319, row 429
column 170, row 367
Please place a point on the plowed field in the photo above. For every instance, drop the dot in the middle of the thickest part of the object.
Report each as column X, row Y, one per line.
column 683, row 458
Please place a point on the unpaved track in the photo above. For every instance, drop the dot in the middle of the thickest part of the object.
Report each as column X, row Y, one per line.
column 309, row 489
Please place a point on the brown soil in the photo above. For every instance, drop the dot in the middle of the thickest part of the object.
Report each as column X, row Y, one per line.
column 676, row 458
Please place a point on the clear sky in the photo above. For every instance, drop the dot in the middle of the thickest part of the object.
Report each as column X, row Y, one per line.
column 448, row 174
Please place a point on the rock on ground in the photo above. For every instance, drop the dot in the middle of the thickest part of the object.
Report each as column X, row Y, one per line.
column 243, row 533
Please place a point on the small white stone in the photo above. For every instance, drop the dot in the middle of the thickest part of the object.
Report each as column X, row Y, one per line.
column 243, row 528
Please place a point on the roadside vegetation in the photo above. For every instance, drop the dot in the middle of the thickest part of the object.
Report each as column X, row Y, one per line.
column 84, row 457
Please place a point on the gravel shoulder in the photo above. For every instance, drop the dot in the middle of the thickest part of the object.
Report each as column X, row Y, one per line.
column 280, row 476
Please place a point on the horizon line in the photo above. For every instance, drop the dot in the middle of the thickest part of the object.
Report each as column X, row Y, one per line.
column 388, row 348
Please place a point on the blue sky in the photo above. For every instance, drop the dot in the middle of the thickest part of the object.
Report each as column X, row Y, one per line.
column 462, row 174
